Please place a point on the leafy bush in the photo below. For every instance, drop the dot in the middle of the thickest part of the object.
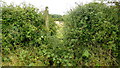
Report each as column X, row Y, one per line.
column 24, row 26
column 57, row 17
column 92, row 30
column 90, row 37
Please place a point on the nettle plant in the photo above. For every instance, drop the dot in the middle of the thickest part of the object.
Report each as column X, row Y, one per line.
column 92, row 30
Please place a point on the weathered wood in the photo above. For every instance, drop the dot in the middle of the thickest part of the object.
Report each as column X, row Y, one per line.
column 46, row 13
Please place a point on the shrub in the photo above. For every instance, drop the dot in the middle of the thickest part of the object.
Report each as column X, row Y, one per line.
column 24, row 26
column 92, row 30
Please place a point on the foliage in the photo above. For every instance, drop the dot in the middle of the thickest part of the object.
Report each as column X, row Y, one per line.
column 27, row 56
column 23, row 26
column 89, row 36
column 57, row 17
column 92, row 30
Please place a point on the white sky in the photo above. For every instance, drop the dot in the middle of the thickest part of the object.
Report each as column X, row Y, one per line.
column 55, row 6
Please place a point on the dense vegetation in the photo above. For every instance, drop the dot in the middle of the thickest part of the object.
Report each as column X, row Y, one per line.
column 89, row 36
column 57, row 17
column 23, row 27
column 93, row 31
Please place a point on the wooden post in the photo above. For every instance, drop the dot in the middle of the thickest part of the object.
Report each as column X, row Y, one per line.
column 46, row 13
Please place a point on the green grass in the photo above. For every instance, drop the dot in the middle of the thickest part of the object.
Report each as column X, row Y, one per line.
column 24, row 57
column 60, row 31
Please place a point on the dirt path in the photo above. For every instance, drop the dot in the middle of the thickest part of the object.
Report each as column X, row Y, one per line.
column 60, row 31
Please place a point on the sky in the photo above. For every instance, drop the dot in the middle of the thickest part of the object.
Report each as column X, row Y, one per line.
column 55, row 6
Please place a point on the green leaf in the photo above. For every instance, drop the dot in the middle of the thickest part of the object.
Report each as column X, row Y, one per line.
column 86, row 53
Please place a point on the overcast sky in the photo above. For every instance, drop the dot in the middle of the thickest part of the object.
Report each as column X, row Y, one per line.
column 55, row 6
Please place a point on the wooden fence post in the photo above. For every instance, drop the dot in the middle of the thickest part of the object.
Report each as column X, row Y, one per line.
column 46, row 13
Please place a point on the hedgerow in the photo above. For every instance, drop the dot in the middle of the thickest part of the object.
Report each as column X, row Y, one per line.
column 24, row 26
column 92, row 30
column 90, row 37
